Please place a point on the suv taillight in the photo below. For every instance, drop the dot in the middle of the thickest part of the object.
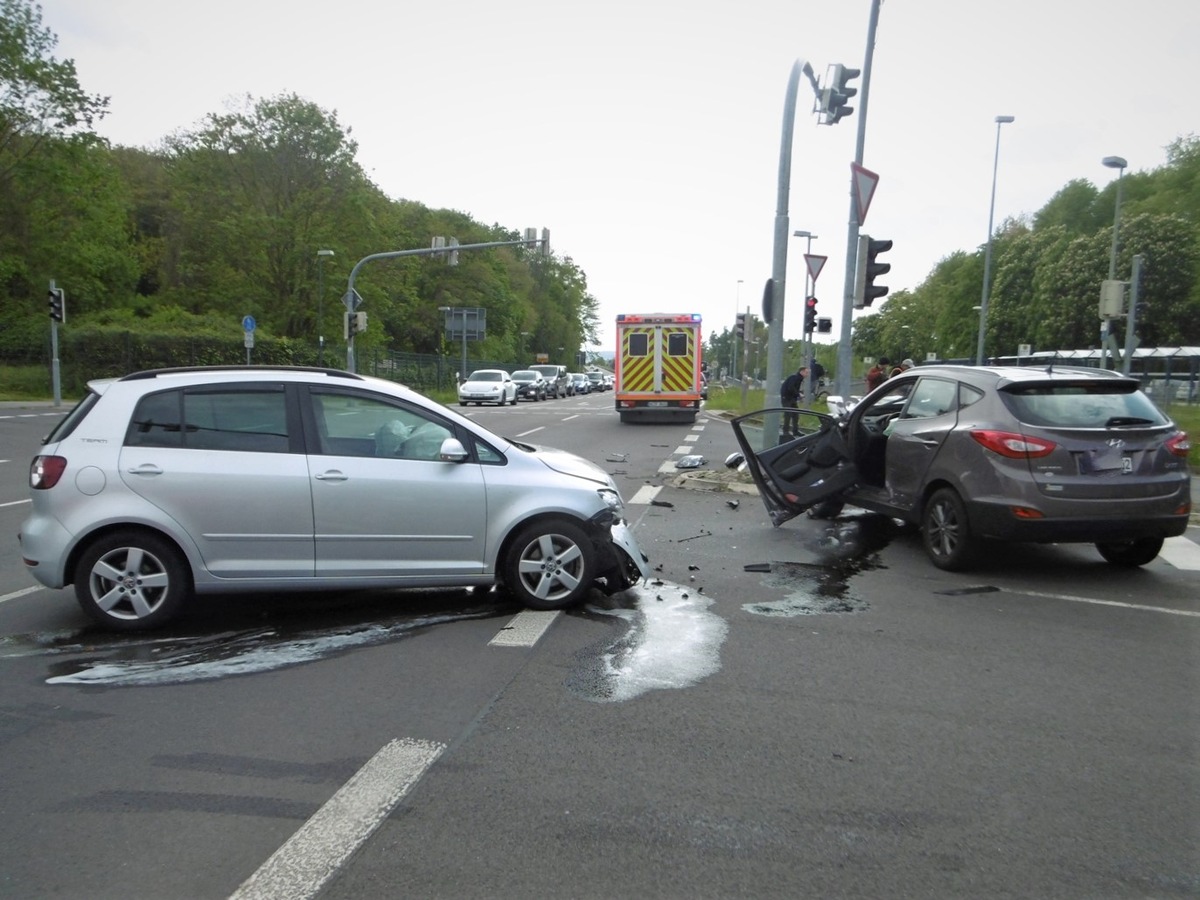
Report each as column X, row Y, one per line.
column 1178, row 444
column 1013, row 446
column 45, row 471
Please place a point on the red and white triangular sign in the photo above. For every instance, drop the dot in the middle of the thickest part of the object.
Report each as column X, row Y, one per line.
column 865, row 181
column 815, row 264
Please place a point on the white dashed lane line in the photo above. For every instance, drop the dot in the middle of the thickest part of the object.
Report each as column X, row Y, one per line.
column 313, row 854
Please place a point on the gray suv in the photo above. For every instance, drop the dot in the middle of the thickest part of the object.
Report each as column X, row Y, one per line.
column 971, row 454
column 169, row 483
column 558, row 381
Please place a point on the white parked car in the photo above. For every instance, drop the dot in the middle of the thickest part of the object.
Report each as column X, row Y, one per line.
column 488, row 386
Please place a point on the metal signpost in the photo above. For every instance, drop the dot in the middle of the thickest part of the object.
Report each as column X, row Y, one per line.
column 248, row 326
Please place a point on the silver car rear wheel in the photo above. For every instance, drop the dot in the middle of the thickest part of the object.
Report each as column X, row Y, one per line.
column 550, row 565
column 131, row 581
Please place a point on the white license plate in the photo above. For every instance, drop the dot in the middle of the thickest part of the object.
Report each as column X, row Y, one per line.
column 656, row 402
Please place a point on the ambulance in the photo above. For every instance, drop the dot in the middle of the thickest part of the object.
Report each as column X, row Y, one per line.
column 657, row 367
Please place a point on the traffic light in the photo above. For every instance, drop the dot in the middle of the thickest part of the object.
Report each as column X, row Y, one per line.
column 740, row 327
column 837, row 94
column 354, row 323
column 810, row 315
column 824, row 326
column 58, row 305
column 869, row 268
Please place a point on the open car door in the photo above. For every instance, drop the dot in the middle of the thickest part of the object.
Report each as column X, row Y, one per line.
column 793, row 474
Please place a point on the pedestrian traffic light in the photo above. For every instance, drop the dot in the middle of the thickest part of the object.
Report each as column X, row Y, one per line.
column 740, row 327
column 58, row 305
column 837, row 94
column 824, row 326
column 810, row 315
column 868, row 269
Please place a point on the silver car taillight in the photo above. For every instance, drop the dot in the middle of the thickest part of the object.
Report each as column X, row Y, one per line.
column 45, row 471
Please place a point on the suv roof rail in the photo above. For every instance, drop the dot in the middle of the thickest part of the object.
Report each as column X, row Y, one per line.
column 183, row 370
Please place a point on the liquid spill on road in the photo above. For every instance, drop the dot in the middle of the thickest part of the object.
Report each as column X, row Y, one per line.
column 847, row 546
column 671, row 640
column 123, row 661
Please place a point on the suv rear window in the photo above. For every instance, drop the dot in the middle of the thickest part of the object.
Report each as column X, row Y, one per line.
column 1082, row 405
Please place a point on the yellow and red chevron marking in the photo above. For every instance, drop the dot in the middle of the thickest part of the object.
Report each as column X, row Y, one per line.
column 637, row 372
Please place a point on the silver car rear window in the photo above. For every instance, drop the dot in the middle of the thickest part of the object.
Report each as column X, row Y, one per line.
column 1082, row 405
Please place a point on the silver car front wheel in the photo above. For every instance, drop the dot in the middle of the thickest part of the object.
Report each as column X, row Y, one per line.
column 550, row 564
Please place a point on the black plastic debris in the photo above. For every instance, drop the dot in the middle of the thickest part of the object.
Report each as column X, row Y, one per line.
column 733, row 504
column 693, row 568
column 974, row 589
column 757, row 567
column 662, row 503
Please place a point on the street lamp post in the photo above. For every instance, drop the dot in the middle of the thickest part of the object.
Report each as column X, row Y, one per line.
column 987, row 255
column 321, row 255
column 1118, row 163
column 737, row 307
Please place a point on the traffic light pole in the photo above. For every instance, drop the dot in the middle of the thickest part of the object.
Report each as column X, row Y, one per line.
column 55, row 373
column 351, row 295
column 845, row 350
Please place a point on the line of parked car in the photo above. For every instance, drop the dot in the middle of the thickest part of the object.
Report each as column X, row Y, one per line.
column 540, row 382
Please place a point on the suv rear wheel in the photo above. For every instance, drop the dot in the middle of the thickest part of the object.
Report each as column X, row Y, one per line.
column 1130, row 553
column 131, row 581
column 550, row 564
column 944, row 531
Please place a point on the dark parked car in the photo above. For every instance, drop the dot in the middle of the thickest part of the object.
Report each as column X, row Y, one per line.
column 1046, row 455
column 530, row 385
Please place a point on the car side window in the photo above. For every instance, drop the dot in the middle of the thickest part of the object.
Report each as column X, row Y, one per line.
column 968, row 395
column 931, row 397
column 253, row 420
column 358, row 425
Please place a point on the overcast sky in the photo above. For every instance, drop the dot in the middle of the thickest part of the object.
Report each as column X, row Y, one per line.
column 645, row 134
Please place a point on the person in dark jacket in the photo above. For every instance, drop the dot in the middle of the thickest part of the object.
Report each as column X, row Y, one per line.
column 789, row 396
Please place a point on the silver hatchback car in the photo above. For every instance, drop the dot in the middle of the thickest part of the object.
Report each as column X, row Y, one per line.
column 169, row 483
column 969, row 454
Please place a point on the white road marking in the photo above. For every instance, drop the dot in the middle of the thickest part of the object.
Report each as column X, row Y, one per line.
column 691, row 437
column 531, row 431
column 645, row 493
column 667, row 466
column 1095, row 601
column 524, row 629
column 1181, row 553
column 569, row 418
column 4, row 598
column 685, row 449
column 300, row 868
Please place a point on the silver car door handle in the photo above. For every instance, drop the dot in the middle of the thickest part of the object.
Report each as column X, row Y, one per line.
column 332, row 475
column 146, row 469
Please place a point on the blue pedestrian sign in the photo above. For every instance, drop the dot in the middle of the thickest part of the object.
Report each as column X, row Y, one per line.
column 248, row 324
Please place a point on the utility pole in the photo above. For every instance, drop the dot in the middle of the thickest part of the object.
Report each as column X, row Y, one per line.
column 845, row 350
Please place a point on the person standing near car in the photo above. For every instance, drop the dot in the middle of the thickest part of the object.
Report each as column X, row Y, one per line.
column 878, row 373
column 901, row 369
column 789, row 397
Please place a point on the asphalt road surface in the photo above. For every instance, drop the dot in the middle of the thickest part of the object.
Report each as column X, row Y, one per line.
column 812, row 710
